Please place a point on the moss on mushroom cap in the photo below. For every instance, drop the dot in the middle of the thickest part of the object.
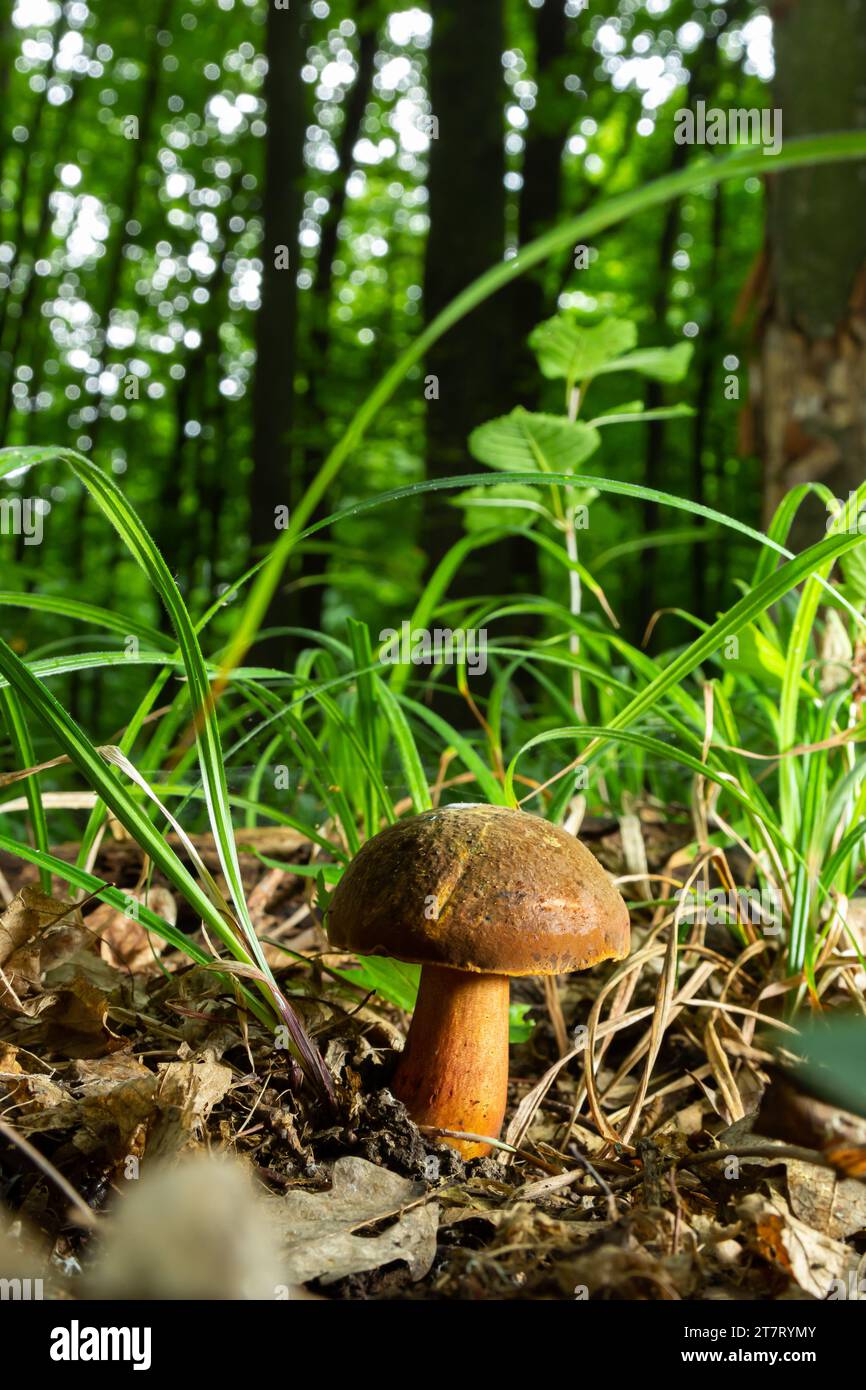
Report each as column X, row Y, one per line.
column 480, row 888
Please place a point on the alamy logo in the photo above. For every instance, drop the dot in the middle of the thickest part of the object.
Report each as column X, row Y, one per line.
column 443, row 646
column 22, row 516
column 854, row 1289
column 718, row 907
column 738, row 125
column 77, row 1343
column 21, row 1290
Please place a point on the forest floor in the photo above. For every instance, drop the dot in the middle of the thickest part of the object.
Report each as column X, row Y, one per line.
column 690, row 1168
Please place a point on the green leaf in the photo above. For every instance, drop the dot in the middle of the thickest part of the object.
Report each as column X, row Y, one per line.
column 659, row 364
column 586, row 483
column 64, row 607
column 410, row 758
column 513, row 505
column 365, row 714
column 803, row 566
column 395, row 980
column 633, row 413
column 450, row 738
column 523, row 440
column 835, row 1060
column 567, row 350
column 760, row 658
column 853, row 566
column 520, row 1026
column 329, row 873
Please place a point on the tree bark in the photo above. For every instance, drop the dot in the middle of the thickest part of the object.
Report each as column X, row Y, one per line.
column 28, row 249
column 271, row 484
column 708, row 356
column 703, row 83
column 811, row 381
column 470, row 364
column 320, row 396
column 549, row 124
column 112, row 283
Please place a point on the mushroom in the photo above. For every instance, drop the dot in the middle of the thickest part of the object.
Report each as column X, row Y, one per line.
column 473, row 894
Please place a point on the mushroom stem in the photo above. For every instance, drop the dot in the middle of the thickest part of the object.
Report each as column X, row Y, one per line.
column 453, row 1073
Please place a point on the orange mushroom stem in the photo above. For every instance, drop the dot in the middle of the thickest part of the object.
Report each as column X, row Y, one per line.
column 453, row 1072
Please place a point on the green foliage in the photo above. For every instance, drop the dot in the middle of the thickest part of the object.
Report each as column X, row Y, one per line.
column 522, row 440
column 569, row 352
column 834, row 1060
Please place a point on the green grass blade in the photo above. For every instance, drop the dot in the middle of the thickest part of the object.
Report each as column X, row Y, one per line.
column 23, row 748
column 780, row 582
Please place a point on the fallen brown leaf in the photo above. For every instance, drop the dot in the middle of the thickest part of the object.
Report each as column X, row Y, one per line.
column 321, row 1231
column 186, row 1093
column 816, row 1262
column 125, row 943
column 830, row 1204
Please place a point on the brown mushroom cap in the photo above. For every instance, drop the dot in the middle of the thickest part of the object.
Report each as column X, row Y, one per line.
column 480, row 888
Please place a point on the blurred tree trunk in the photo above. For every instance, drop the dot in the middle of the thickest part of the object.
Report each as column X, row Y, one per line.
column 654, row 399
column 18, row 162
column 470, row 363
column 130, row 200
column 111, row 280
column 707, row 357
column 272, row 480
column 550, row 121
column 319, row 397
column 28, row 248
column 8, row 50
column 703, row 85
column 187, row 537
column 811, row 387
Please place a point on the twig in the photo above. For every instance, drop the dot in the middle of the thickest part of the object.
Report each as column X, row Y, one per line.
column 87, row 1217
column 561, row 1181
column 768, row 1151
column 437, row 1133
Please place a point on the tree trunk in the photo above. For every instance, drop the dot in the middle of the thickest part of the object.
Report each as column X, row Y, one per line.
column 811, row 384
column 470, row 364
column 112, row 281
column 319, row 400
column 549, row 124
column 708, row 356
column 703, row 84
column 27, row 250
column 184, row 539
column 655, row 398
column 276, row 325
